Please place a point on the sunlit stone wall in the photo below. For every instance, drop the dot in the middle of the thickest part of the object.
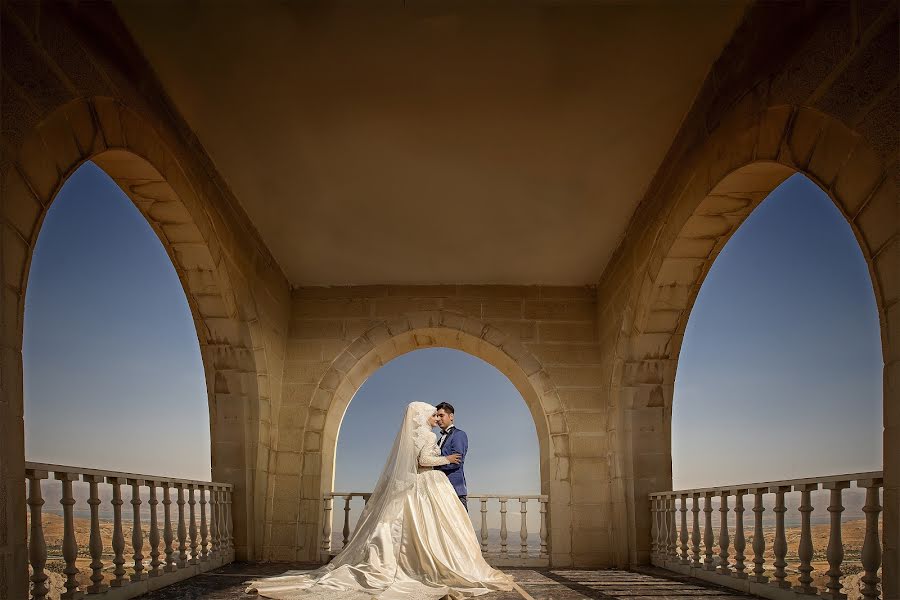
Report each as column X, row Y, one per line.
column 542, row 338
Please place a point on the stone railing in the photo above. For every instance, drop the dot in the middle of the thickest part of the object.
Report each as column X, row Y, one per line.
column 520, row 555
column 188, row 548
column 677, row 546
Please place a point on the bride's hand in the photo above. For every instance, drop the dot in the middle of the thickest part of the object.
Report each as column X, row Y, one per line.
column 454, row 459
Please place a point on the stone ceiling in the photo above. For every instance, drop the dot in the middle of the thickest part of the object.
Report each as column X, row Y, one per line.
column 436, row 142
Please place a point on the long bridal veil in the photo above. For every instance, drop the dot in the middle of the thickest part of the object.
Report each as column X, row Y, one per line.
column 369, row 562
column 385, row 505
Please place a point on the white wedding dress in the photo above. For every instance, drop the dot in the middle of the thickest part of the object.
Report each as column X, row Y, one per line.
column 413, row 541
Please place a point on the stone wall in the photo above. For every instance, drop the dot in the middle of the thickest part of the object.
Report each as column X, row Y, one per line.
column 809, row 89
column 542, row 338
column 75, row 89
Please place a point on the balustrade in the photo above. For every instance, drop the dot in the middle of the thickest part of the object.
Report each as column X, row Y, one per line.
column 779, row 572
column 144, row 574
column 526, row 555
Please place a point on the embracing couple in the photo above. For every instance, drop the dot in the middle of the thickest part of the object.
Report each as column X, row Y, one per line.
column 413, row 539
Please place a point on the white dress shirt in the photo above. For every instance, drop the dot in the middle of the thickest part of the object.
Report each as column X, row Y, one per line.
column 444, row 436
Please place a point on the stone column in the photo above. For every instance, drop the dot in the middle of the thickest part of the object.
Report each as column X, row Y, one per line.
column 13, row 548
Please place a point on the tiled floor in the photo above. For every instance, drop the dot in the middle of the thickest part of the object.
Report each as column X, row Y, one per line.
column 649, row 584
column 228, row 583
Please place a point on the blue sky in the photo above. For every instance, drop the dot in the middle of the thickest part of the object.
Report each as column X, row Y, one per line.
column 113, row 375
column 779, row 376
column 780, row 371
column 503, row 451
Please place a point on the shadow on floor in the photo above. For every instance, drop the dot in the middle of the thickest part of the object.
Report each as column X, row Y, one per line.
column 229, row 582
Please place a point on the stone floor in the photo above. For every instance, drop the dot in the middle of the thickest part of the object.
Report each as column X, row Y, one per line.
column 649, row 583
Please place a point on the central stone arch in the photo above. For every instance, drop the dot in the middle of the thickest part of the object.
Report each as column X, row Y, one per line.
column 744, row 162
column 389, row 339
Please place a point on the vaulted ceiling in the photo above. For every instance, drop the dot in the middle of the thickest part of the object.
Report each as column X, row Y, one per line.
column 435, row 142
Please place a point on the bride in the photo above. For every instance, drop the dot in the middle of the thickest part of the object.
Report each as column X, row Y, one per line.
column 413, row 540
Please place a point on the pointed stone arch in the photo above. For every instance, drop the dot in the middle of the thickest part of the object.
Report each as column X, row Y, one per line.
column 742, row 162
column 131, row 152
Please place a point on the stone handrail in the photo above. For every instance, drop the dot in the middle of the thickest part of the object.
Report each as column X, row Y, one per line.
column 732, row 571
column 198, row 549
column 505, row 556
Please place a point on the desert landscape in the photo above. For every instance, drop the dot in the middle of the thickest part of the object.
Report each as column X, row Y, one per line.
column 853, row 533
column 53, row 535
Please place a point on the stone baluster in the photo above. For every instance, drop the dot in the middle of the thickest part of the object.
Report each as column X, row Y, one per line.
column 118, row 539
column 654, row 527
column 708, row 539
column 224, row 534
column 137, row 533
column 805, row 548
column 182, row 528
column 695, row 531
column 217, row 521
column 724, row 567
column 229, row 529
column 221, row 520
column 192, row 525
column 543, row 533
column 759, row 540
column 663, row 518
column 37, row 546
column 668, row 539
column 346, row 530
column 95, row 543
column 214, row 519
column 871, row 550
column 484, row 529
column 69, row 544
column 663, row 509
column 672, row 548
column 204, row 528
column 523, row 530
column 665, row 522
column 740, row 542
column 328, row 501
column 780, row 544
column 685, row 557
column 504, row 548
column 835, row 550
column 168, row 535
column 155, row 563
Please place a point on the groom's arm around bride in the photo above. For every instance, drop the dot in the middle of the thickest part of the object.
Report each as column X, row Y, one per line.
column 453, row 441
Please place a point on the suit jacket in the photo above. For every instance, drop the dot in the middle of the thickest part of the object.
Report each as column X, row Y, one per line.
column 457, row 442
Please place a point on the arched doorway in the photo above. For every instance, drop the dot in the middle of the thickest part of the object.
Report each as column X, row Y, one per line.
column 408, row 342
column 381, row 344
column 503, row 449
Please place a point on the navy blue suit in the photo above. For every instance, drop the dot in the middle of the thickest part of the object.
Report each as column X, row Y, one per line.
column 457, row 442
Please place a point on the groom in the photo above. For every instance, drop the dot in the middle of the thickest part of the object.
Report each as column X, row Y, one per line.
column 453, row 441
